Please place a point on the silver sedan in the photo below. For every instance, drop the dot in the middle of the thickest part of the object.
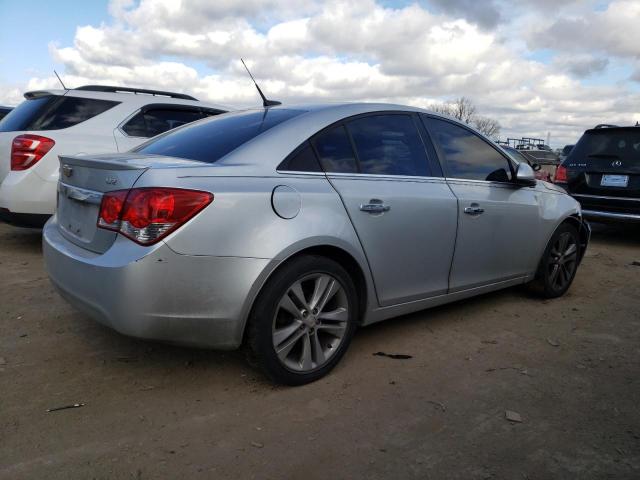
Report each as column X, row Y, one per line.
column 283, row 229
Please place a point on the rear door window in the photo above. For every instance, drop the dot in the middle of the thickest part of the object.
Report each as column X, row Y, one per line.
column 53, row 112
column 210, row 140
column 335, row 151
column 466, row 154
column 303, row 159
column 389, row 145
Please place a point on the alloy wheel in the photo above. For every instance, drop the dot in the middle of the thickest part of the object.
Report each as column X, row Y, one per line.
column 310, row 322
column 563, row 259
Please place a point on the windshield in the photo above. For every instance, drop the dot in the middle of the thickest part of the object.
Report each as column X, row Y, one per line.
column 210, row 140
column 616, row 144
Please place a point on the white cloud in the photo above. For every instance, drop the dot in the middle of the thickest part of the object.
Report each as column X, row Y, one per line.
column 340, row 50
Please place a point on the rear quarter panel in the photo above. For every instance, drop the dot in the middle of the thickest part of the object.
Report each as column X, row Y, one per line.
column 241, row 222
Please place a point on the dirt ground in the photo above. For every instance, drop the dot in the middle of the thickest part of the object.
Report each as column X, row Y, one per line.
column 569, row 367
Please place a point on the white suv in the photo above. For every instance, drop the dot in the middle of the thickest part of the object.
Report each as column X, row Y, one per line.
column 89, row 119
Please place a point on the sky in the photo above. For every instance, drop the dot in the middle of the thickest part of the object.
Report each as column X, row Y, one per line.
column 538, row 67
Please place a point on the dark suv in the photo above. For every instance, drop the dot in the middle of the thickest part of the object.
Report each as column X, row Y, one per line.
column 602, row 172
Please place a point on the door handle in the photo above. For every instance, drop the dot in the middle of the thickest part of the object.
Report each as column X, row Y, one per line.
column 474, row 209
column 375, row 206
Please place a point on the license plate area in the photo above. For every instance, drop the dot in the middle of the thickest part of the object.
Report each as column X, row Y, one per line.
column 78, row 213
column 621, row 181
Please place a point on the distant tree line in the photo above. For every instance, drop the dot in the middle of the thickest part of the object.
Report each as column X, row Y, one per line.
column 464, row 110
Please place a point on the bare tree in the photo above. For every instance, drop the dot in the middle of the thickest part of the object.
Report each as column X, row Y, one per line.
column 463, row 109
column 488, row 126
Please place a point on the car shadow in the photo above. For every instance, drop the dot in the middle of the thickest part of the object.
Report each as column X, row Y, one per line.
column 620, row 234
column 20, row 240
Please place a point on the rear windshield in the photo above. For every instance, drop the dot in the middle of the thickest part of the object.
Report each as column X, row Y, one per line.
column 616, row 144
column 53, row 112
column 210, row 140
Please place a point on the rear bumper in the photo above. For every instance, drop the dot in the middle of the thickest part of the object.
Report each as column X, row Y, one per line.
column 602, row 208
column 153, row 292
column 25, row 192
column 602, row 216
column 27, row 220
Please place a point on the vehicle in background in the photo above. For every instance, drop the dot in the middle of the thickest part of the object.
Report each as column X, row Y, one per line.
column 84, row 120
column 602, row 172
column 517, row 156
column 284, row 228
column 534, row 149
column 564, row 153
column 4, row 111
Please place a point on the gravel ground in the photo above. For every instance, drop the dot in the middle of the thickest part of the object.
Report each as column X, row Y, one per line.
column 568, row 367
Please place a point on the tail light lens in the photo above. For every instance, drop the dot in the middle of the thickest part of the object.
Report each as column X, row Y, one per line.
column 561, row 175
column 146, row 215
column 27, row 150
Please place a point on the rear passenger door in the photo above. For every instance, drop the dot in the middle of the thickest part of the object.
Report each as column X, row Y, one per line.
column 402, row 209
column 153, row 120
column 497, row 219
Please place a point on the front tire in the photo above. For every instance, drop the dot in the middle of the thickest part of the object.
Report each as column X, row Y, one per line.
column 559, row 263
column 302, row 321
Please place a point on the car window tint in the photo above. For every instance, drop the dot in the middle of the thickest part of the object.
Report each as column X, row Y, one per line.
column 335, row 152
column 210, row 140
column 136, row 127
column 466, row 154
column 53, row 112
column 156, row 121
column 302, row 160
column 389, row 145
column 609, row 144
column 159, row 121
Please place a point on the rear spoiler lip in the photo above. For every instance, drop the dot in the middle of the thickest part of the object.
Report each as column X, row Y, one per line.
column 44, row 93
column 102, row 164
column 126, row 161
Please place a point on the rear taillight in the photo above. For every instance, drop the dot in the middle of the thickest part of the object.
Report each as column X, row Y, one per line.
column 146, row 215
column 27, row 150
column 561, row 175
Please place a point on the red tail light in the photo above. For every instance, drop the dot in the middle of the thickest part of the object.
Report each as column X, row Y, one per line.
column 27, row 150
column 146, row 215
column 561, row 175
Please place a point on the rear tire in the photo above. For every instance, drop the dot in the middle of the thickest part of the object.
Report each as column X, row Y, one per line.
column 302, row 321
column 559, row 263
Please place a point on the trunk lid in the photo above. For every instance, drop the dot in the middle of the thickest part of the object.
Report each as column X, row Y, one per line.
column 84, row 180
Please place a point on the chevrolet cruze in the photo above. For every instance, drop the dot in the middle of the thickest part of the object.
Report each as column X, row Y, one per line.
column 283, row 229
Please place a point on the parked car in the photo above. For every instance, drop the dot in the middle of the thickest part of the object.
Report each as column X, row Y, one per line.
column 89, row 119
column 4, row 111
column 603, row 173
column 284, row 228
column 518, row 157
column 564, row 153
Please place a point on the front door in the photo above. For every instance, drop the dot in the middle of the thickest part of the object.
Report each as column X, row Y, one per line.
column 498, row 221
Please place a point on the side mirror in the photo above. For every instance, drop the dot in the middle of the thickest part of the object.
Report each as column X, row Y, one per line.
column 536, row 167
column 525, row 175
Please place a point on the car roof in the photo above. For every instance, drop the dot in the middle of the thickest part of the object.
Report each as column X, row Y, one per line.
column 135, row 99
column 264, row 152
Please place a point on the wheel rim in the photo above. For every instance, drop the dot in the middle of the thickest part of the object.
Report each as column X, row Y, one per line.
column 310, row 322
column 562, row 261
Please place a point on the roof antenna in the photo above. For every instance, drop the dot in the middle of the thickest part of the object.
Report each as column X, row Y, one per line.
column 60, row 80
column 265, row 101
